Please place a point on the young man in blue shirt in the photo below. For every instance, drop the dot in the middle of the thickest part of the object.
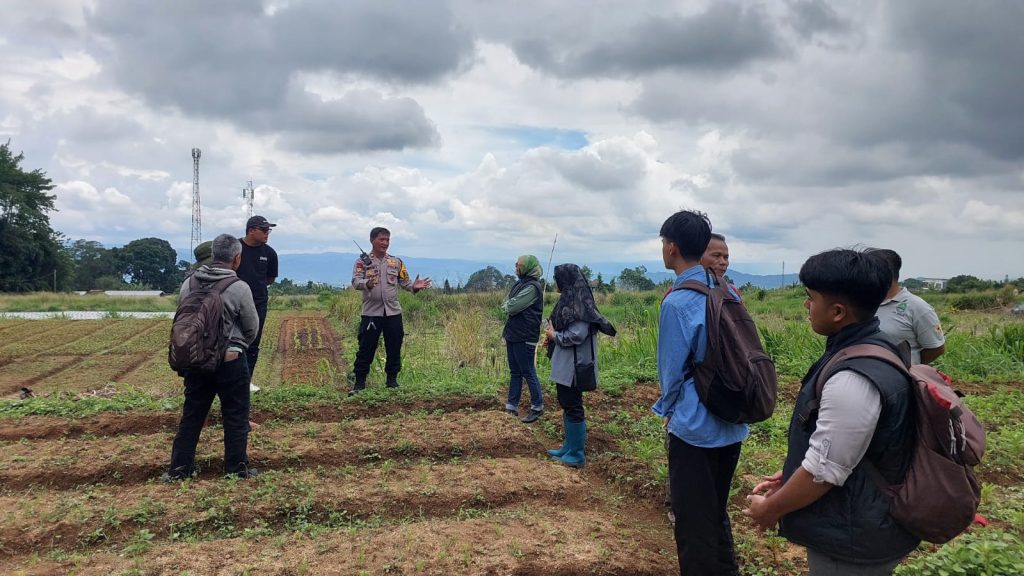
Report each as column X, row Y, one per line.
column 703, row 449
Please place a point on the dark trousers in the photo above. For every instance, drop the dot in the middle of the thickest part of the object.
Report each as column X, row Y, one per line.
column 520, row 367
column 570, row 398
column 231, row 383
column 700, row 479
column 370, row 329
column 252, row 353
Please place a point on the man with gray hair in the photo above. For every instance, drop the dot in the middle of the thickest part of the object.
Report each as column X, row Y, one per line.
column 230, row 380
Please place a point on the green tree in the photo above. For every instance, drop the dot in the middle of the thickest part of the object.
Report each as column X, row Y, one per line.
column 587, row 272
column 32, row 255
column 152, row 262
column 635, row 279
column 93, row 261
column 489, row 279
column 913, row 284
column 965, row 283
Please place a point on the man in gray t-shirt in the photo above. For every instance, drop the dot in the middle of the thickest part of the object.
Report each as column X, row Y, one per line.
column 904, row 316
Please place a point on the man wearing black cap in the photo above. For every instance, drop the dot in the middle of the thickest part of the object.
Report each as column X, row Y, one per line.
column 258, row 269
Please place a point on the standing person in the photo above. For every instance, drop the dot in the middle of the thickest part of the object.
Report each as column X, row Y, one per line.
column 716, row 256
column 259, row 270
column 379, row 280
column 525, row 307
column 703, row 449
column 230, row 380
column 570, row 334
column 826, row 498
column 906, row 317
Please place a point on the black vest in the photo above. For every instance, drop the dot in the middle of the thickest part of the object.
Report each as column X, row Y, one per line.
column 852, row 522
column 525, row 326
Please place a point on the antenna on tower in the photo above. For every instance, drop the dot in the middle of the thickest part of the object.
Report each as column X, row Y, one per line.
column 249, row 194
column 197, row 219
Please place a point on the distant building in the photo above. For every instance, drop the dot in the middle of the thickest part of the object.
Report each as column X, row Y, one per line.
column 134, row 293
column 934, row 283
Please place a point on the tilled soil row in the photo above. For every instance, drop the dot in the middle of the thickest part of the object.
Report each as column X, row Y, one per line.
column 119, row 424
column 280, row 501
column 66, row 463
column 538, row 538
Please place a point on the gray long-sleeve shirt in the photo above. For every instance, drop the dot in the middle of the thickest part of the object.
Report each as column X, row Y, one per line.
column 849, row 411
column 577, row 334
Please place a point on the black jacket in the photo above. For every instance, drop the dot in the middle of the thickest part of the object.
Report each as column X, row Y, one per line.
column 852, row 522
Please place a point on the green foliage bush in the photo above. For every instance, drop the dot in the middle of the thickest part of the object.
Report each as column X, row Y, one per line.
column 983, row 552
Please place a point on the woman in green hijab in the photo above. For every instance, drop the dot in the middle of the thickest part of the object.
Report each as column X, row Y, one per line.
column 525, row 307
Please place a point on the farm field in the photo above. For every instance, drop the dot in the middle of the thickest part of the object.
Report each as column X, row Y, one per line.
column 431, row 478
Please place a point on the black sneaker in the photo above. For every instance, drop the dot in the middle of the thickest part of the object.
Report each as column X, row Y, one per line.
column 355, row 391
column 532, row 416
column 243, row 474
column 168, row 478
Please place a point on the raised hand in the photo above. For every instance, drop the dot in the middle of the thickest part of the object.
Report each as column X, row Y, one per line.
column 421, row 283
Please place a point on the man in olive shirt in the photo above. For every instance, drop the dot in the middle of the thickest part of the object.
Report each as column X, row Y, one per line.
column 379, row 277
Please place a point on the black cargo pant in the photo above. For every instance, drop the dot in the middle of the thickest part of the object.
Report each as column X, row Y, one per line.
column 370, row 329
column 252, row 353
column 700, row 479
column 231, row 383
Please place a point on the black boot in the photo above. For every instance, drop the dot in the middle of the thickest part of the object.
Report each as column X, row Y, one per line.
column 392, row 381
column 360, row 384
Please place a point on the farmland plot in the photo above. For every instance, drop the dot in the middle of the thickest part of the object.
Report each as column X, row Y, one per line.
column 432, row 487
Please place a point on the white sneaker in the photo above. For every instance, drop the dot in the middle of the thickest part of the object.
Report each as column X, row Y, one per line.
column 253, row 387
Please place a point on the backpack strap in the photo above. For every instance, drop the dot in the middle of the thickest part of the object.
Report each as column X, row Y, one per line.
column 865, row 350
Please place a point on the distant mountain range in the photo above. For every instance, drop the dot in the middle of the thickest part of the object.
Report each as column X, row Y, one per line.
column 335, row 268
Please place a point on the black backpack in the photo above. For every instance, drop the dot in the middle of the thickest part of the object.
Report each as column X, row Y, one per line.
column 736, row 381
column 198, row 342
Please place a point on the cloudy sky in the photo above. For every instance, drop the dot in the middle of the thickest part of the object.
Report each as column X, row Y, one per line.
column 479, row 130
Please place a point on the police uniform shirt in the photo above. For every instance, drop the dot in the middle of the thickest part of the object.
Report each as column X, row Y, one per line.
column 389, row 274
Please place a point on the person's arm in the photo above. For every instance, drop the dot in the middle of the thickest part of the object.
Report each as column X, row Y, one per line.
column 847, row 417
column 929, row 355
column 675, row 344
column 272, row 267
column 248, row 320
column 521, row 301
column 928, row 331
column 573, row 335
column 359, row 280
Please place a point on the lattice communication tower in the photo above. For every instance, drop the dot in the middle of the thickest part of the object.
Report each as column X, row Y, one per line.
column 197, row 218
column 249, row 194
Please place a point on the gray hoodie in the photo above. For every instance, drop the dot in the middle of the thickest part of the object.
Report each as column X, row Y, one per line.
column 240, row 320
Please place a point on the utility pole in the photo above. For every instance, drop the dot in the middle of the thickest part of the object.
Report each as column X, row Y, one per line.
column 250, row 195
column 783, row 282
column 197, row 219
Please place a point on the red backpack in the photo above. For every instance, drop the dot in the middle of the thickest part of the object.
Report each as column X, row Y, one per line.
column 736, row 380
column 939, row 497
column 198, row 342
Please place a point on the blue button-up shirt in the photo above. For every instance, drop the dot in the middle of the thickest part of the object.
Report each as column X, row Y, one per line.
column 681, row 333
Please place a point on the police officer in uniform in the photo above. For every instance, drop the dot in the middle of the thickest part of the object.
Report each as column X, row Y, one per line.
column 378, row 276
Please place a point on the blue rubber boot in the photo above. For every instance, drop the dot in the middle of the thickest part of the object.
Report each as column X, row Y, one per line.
column 559, row 452
column 576, row 440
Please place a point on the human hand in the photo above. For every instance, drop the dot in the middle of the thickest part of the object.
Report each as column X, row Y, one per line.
column 549, row 332
column 420, row 284
column 769, row 485
column 370, row 283
column 758, row 511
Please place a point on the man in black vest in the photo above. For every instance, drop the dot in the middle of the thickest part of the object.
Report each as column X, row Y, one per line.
column 524, row 306
column 825, row 498
column 259, row 270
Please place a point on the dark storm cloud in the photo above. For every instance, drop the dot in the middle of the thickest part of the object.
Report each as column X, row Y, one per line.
column 232, row 60
column 725, row 36
column 811, row 17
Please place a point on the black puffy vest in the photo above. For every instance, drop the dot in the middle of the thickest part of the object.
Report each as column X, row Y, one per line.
column 852, row 522
column 525, row 326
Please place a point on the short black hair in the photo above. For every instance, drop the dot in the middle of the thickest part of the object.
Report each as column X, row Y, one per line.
column 891, row 259
column 690, row 230
column 378, row 231
column 857, row 278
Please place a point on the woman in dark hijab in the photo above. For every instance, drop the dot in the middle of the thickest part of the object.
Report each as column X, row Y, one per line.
column 570, row 334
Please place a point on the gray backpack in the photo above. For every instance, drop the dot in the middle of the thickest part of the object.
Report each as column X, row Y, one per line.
column 939, row 497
